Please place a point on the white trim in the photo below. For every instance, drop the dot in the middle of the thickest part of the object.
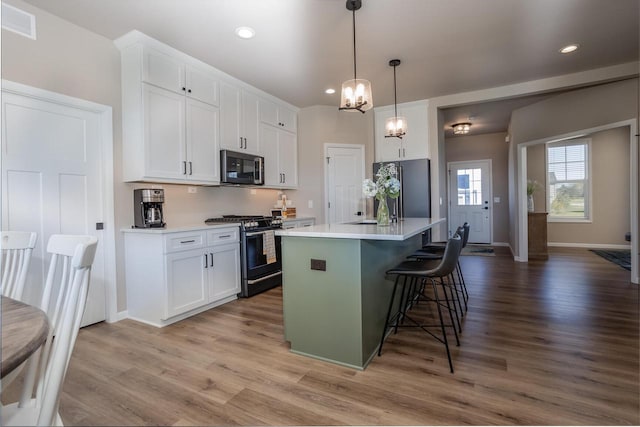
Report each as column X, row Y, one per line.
column 121, row 315
column 505, row 244
column 106, row 135
column 633, row 187
column 588, row 245
column 328, row 145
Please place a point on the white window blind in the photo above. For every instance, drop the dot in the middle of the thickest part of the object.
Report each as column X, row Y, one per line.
column 568, row 185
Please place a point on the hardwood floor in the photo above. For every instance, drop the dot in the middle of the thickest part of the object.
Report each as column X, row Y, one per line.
column 549, row 342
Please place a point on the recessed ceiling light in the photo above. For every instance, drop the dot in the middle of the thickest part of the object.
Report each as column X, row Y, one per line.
column 245, row 32
column 330, row 91
column 569, row 48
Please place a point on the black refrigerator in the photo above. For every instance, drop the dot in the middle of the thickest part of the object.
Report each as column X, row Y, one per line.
column 415, row 191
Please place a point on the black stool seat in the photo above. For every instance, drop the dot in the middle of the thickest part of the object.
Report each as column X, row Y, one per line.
column 415, row 268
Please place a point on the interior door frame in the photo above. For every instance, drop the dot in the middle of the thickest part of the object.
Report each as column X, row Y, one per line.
column 105, row 114
column 490, row 198
column 327, row 146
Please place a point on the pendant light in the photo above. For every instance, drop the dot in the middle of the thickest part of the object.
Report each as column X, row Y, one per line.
column 395, row 127
column 356, row 93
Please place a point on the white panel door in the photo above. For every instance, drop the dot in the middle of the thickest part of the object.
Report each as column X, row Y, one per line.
column 224, row 271
column 345, row 174
column 52, row 183
column 269, row 144
column 288, row 158
column 470, row 198
column 230, row 102
column 187, row 281
column 201, row 86
column 250, row 122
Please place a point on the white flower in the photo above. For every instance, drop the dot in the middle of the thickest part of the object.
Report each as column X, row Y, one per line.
column 386, row 183
column 369, row 188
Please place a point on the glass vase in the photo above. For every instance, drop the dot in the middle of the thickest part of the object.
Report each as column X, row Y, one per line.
column 530, row 207
column 382, row 216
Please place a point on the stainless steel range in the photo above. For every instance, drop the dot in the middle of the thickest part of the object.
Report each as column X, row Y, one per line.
column 259, row 251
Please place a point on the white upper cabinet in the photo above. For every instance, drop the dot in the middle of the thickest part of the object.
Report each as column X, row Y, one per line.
column 280, row 151
column 239, row 119
column 170, row 73
column 178, row 112
column 278, row 115
column 414, row 144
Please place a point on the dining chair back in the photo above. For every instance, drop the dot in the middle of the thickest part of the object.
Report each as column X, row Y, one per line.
column 63, row 300
column 17, row 247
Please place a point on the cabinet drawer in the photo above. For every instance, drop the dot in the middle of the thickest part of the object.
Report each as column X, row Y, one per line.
column 183, row 241
column 220, row 236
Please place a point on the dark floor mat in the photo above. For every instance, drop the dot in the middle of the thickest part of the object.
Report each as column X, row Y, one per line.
column 621, row 257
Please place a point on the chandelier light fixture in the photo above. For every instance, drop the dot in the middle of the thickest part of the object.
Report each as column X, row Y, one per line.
column 356, row 93
column 461, row 128
column 395, row 127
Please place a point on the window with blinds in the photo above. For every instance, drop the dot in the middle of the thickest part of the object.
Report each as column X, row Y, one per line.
column 568, row 185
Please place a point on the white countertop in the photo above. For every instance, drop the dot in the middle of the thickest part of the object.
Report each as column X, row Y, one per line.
column 298, row 218
column 402, row 230
column 169, row 229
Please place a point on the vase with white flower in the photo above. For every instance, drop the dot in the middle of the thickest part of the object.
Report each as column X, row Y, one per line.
column 532, row 187
column 385, row 185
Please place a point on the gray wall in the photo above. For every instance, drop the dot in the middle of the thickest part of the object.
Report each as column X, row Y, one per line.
column 70, row 60
column 565, row 113
column 610, row 171
column 488, row 146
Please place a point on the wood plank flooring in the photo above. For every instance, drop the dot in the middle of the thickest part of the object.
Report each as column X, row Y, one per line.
column 545, row 343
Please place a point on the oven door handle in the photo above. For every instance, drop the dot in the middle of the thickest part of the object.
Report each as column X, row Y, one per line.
column 255, row 233
column 253, row 282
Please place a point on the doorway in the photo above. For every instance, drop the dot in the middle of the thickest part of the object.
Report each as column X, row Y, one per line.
column 470, row 189
column 344, row 174
column 57, row 179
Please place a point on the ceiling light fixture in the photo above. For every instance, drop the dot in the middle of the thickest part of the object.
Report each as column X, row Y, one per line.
column 461, row 128
column 245, row 32
column 330, row 91
column 395, row 127
column 356, row 94
column 569, row 48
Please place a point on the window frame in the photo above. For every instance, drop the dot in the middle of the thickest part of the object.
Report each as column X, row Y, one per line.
column 588, row 200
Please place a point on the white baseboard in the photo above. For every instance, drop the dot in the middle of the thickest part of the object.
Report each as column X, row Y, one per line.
column 588, row 245
column 121, row 315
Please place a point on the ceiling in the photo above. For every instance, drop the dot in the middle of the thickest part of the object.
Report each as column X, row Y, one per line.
column 303, row 47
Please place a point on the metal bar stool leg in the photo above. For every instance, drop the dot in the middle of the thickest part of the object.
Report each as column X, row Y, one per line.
column 444, row 332
column 386, row 323
column 450, row 303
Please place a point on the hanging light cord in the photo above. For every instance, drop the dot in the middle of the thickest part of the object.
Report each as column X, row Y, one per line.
column 395, row 93
column 354, row 42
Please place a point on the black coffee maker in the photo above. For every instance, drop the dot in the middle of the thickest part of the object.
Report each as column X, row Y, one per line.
column 147, row 208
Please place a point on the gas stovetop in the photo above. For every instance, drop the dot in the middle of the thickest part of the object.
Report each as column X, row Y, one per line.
column 249, row 222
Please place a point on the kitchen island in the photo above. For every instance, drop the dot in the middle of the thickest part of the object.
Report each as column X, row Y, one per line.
column 335, row 292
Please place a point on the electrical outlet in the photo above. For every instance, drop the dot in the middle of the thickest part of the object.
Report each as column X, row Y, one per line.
column 192, row 190
column 318, row 264
column 310, row 204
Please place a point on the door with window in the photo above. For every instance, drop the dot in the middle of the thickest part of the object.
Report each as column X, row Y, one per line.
column 470, row 198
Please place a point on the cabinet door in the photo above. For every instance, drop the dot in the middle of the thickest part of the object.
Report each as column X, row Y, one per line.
column 288, row 158
column 164, row 133
column 187, row 281
column 268, row 112
column 288, row 119
column 415, row 143
column 250, row 122
column 224, row 273
column 202, row 142
column 163, row 70
column 269, row 145
column 201, row 86
column 387, row 149
column 230, row 103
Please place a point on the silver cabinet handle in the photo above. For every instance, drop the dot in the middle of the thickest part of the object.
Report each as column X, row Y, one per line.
column 240, row 142
column 211, row 253
column 284, row 178
column 184, row 168
column 399, row 152
column 245, row 143
column 187, row 241
column 190, row 168
column 404, row 154
column 205, row 261
column 226, row 236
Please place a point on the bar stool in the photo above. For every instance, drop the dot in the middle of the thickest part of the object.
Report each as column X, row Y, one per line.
column 435, row 251
column 425, row 272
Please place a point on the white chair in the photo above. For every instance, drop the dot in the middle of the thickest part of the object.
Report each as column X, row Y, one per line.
column 17, row 247
column 68, row 275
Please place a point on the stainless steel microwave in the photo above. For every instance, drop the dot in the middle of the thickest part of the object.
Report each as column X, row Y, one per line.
column 241, row 168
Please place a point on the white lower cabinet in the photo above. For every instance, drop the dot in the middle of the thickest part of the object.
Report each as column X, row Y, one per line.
column 173, row 275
